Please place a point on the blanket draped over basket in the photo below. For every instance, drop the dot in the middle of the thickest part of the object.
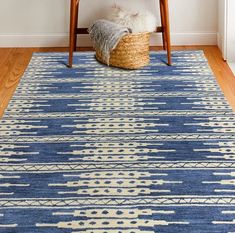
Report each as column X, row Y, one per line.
column 105, row 36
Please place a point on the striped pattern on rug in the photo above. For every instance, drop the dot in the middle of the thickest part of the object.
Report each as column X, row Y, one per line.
column 96, row 149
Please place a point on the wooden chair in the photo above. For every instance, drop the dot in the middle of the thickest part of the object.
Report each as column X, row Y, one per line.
column 74, row 30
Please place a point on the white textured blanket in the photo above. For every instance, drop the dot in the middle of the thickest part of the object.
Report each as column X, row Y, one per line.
column 105, row 36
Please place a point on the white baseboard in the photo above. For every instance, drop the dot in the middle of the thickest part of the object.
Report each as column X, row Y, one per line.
column 61, row 40
column 232, row 66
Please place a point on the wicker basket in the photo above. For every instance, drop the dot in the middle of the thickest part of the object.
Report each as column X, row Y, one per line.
column 132, row 52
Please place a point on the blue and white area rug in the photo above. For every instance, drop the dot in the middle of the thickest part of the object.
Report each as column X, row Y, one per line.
column 102, row 150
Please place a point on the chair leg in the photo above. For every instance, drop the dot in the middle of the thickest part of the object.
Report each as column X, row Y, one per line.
column 73, row 27
column 76, row 24
column 163, row 23
column 167, row 30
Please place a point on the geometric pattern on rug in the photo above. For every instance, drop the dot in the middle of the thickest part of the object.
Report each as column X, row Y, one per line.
column 96, row 149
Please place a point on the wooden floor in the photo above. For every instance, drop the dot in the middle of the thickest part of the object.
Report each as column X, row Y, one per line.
column 13, row 62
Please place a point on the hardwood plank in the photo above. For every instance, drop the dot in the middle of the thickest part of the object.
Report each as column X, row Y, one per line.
column 4, row 53
column 11, row 71
column 223, row 74
column 14, row 61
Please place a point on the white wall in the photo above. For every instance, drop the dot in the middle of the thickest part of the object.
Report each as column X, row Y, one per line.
column 222, row 27
column 231, row 31
column 226, row 31
column 45, row 22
